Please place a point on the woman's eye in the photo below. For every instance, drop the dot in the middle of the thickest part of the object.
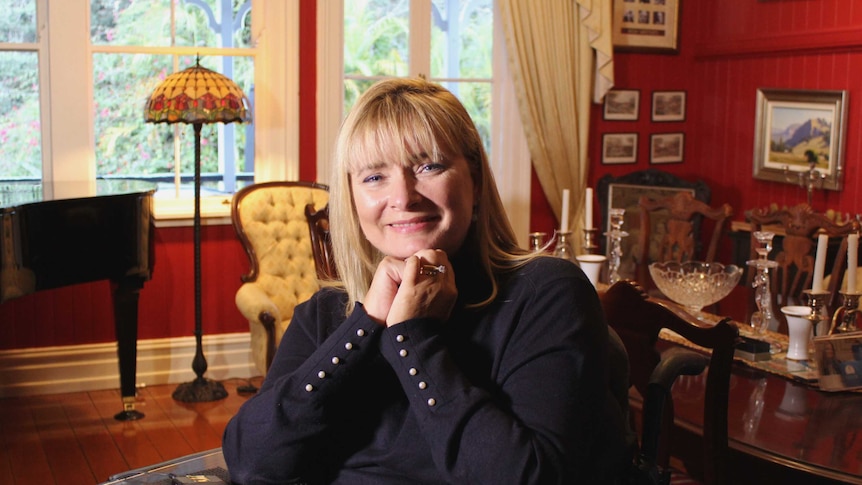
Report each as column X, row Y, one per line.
column 430, row 167
column 372, row 178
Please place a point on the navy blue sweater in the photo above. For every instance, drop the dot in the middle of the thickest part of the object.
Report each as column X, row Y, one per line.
column 515, row 392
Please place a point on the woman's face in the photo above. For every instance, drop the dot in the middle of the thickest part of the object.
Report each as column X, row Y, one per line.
column 402, row 209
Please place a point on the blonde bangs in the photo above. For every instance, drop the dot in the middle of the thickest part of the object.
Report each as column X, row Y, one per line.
column 396, row 132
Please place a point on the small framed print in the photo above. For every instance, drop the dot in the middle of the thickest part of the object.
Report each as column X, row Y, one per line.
column 622, row 105
column 668, row 106
column 646, row 25
column 666, row 147
column 619, row 148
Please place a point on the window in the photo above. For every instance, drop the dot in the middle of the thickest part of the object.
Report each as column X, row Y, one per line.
column 20, row 128
column 88, row 114
column 457, row 43
column 126, row 147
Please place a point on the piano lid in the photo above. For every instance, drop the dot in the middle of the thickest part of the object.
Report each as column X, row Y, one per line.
column 18, row 193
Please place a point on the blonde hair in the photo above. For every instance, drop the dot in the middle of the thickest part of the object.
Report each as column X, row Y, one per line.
column 402, row 119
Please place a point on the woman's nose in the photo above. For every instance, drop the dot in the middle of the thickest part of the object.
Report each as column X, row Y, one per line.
column 404, row 194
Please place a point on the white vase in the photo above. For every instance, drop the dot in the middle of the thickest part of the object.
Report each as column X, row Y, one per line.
column 798, row 331
column 592, row 265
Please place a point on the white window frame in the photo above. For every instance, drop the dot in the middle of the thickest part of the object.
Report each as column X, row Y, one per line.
column 510, row 154
column 65, row 64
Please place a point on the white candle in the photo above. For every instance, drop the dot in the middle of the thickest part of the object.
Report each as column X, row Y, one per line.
column 820, row 262
column 564, row 221
column 588, row 211
column 852, row 255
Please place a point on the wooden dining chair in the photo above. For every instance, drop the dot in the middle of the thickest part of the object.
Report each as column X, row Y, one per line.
column 321, row 242
column 795, row 271
column 680, row 241
column 638, row 319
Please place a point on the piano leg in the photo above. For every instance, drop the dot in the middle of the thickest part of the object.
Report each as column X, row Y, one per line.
column 126, row 292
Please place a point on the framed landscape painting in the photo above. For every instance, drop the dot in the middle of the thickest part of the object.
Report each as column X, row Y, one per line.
column 619, row 148
column 800, row 133
column 622, row 104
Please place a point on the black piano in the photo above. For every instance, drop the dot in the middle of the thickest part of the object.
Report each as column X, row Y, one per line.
column 65, row 233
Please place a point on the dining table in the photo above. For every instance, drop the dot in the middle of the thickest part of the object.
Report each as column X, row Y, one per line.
column 782, row 427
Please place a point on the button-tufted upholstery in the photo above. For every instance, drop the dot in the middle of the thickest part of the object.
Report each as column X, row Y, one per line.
column 270, row 221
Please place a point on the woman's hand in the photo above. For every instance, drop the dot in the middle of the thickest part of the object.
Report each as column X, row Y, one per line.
column 421, row 294
column 400, row 291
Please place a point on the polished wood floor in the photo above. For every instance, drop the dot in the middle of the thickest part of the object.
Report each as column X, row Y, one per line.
column 73, row 439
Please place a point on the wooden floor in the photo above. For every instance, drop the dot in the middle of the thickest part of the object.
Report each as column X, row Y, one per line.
column 74, row 439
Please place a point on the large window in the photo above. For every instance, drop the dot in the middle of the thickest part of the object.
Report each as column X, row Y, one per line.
column 97, row 61
column 20, row 127
column 457, row 43
column 126, row 147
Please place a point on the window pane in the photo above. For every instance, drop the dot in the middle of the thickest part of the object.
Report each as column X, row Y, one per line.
column 462, row 39
column 148, row 23
column 476, row 98
column 20, row 127
column 376, row 37
column 127, row 146
column 18, row 23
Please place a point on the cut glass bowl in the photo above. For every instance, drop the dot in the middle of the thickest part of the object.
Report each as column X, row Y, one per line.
column 695, row 284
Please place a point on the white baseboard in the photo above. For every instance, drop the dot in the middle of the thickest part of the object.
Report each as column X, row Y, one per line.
column 51, row 370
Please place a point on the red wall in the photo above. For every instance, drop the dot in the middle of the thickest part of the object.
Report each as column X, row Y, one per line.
column 728, row 49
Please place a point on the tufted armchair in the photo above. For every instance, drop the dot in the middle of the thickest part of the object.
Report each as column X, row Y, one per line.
column 270, row 221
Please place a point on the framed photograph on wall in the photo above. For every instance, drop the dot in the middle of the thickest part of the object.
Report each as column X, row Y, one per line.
column 666, row 147
column 646, row 25
column 798, row 133
column 622, row 105
column 619, row 148
column 668, row 106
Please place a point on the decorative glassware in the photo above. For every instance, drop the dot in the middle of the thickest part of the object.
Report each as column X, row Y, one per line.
column 616, row 234
column 537, row 241
column 764, row 317
column 563, row 247
column 695, row 284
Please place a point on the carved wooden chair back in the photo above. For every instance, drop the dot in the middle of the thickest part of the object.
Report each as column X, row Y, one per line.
column 679, row 242
column 795, row 271
column 638, row 319
column 321, row 242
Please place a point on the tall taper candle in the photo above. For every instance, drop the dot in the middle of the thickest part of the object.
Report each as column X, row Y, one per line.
column 564, row 220
column 820, row 262
column 588, row 209
column 852, row 256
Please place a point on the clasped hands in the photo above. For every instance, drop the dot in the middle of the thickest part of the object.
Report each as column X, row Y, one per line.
column 422, row 285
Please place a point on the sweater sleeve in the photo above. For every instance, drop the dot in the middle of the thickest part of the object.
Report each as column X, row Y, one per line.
column 311, row 367
column 546, row 418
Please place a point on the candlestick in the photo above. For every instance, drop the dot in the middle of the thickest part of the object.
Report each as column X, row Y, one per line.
column 588, row 209
column 564, row 220
column 820, row 263
column 852, row 255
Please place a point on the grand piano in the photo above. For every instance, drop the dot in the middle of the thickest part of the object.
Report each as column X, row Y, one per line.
column 65, row 233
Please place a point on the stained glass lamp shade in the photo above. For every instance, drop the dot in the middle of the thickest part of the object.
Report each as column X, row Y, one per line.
column 195, row 96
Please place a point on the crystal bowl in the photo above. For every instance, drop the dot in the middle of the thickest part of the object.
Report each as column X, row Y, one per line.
column 695, row 284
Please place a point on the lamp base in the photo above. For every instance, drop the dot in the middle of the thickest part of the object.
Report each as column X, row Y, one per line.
column 200, row 390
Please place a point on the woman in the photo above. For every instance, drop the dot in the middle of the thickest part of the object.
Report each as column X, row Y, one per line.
column 445, row 354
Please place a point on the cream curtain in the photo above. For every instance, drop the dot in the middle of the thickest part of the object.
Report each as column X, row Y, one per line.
column 560, row 52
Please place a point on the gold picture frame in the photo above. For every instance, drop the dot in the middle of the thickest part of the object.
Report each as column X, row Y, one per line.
column 646, row 25
column 782, row 146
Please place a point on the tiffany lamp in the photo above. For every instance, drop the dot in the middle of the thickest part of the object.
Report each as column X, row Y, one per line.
column 196, row 96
